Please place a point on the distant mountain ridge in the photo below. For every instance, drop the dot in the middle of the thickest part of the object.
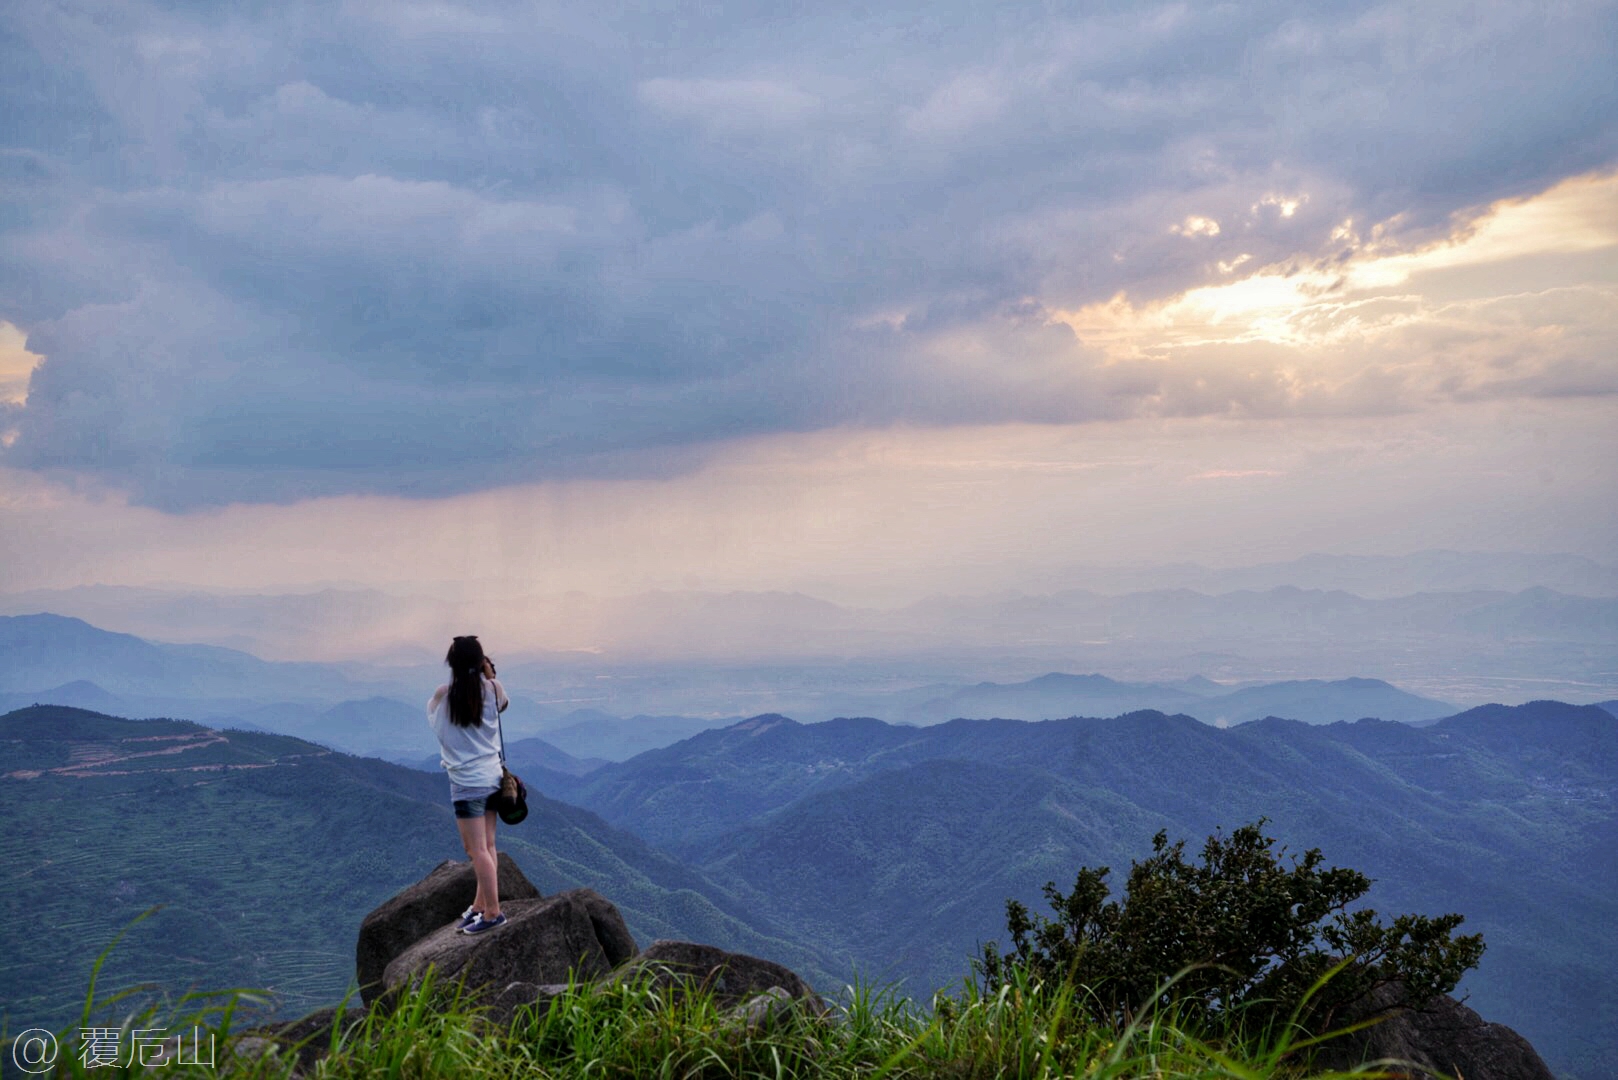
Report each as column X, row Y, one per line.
column 43, row 651
column 895, row 847
column 1247, row 614
column 329, row 618
column 524, row 757
column 1317, row 701
column 1524, row 616
column 591, row 733
column 1378, row 575
column 1051, row 696
column 83, row 666
column 1056, row 695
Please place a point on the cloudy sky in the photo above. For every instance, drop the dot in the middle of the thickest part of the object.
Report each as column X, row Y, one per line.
column 861, row 300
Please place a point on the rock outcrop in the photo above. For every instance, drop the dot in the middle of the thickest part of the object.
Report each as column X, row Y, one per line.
column 733, row 978
column 502, row 1006
column 576, row 936
column 1442, row 1039
column 611, row 931
column 433, row 902
column 543, row 941
column 579, row 937
column 308, row 1038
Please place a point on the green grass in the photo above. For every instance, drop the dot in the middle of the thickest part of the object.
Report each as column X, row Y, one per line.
column 636, row 1030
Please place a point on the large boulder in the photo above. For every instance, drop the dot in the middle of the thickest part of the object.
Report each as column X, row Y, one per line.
column 611, row 931
column 542, row 942
column 733, row 978
column 419, row 910
column 1442, row 1039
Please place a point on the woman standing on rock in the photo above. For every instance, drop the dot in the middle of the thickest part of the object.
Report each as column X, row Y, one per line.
column 465, row 715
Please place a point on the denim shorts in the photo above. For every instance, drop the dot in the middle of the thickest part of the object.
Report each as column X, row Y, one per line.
column 472, row 802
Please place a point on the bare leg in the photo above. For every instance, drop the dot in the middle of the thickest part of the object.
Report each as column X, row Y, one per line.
column 475, row 836
column 493, row 909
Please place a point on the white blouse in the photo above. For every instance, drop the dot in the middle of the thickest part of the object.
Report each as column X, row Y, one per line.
column 471, row 755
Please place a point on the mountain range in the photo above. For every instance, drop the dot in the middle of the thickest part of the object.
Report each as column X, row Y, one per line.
column 1457, row 627
column 844, row 847
column 849, row 844
column 265, row 852
column 43, row 651
column 894, row 848
column 49, row 659
column 1058, row 695
column 331, row 620
column 524, row 757
column 1377, row 576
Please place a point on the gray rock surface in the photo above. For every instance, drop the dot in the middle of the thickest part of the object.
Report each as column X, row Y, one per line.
column 611, row 930
column 546, row 942
column 1443, row 1039
column 308, row 1038
column 733, row 977
column 419, row 910
column 762, row 1011
column 542, row 941
column 503, row 1006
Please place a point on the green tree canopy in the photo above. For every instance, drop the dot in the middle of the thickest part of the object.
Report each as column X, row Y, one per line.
column 1249, row 931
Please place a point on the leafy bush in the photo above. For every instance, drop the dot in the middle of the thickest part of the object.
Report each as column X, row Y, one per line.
column 1248, row 935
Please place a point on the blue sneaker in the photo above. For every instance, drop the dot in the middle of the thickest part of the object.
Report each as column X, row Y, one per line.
column 480, row 924
column 468, row 917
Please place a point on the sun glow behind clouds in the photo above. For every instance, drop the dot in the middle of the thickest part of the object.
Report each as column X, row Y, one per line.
column 16, row 365
column 1362, row 287
column 16, row 368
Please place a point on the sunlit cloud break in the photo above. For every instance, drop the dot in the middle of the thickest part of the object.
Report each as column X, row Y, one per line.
column 861, row 302
column 1520, row 300
column 16, row 365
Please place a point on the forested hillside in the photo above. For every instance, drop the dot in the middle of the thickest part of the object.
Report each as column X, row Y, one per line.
column 265, row 853
column 843, row 847
column 894, row 848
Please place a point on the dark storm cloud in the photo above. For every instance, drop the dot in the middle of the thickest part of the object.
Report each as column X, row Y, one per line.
column 274, row 252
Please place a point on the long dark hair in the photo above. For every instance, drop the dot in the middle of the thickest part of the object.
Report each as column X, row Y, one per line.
column 465, row 660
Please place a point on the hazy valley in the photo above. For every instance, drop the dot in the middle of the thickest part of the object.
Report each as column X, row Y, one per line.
column 1456, row 627
column 840, row 810
column 844, row 847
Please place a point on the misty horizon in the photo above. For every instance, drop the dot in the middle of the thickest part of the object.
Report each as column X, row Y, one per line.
column 1465, row 628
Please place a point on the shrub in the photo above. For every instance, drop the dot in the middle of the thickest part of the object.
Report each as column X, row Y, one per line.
column 1248, row 932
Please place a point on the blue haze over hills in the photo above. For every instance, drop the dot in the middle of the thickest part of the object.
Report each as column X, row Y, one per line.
column 897, row 845
column 850, row 845
column 1452, row 627
column 936, row 762
column 224, row 687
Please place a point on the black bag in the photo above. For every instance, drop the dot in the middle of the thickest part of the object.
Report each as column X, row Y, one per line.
column 513, row 797
column 511, row 801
